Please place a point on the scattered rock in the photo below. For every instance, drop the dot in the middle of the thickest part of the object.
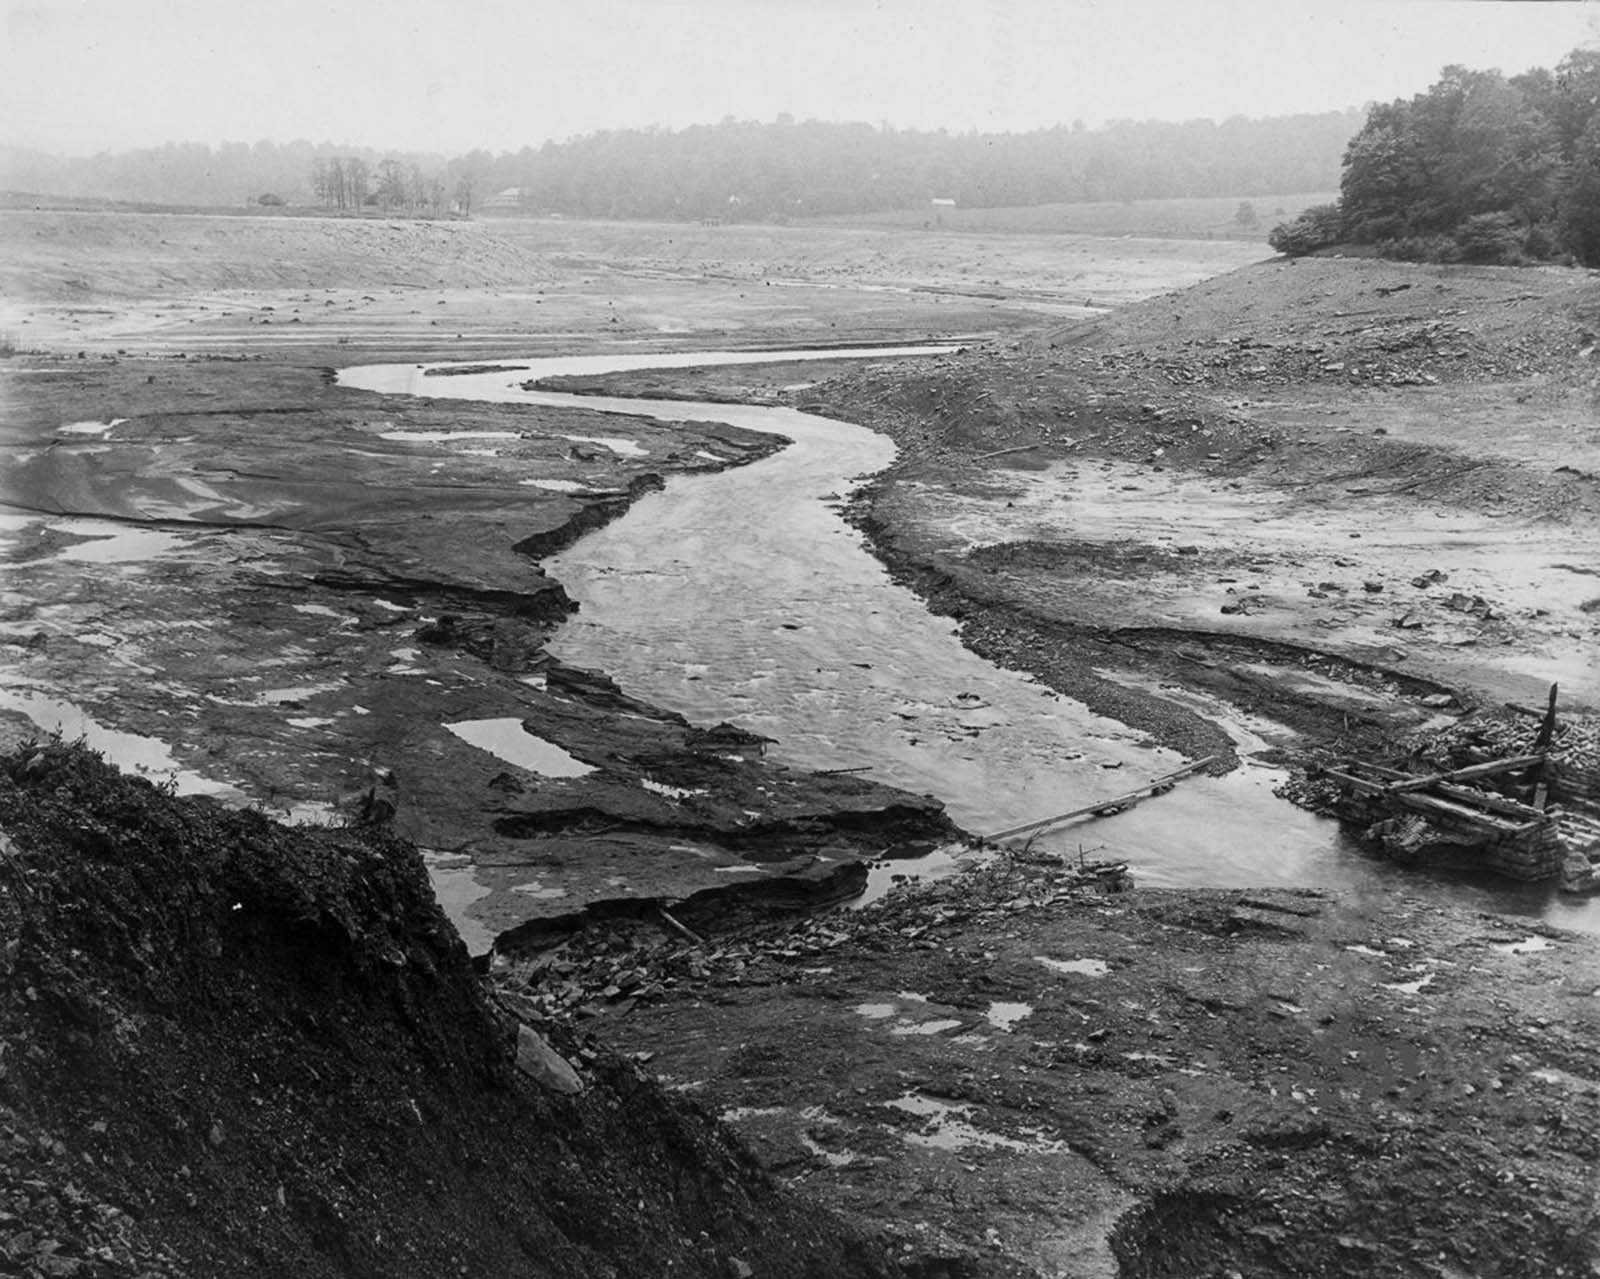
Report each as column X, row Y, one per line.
column 543, row 1064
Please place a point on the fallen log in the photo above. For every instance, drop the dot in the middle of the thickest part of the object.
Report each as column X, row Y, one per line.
column 1156, row 786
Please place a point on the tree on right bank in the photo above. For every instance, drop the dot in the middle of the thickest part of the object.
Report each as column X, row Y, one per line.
column 1480, row 168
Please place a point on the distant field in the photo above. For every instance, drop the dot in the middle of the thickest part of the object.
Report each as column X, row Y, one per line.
column 62, row 254
column 1212, row 217
column 1013, row 265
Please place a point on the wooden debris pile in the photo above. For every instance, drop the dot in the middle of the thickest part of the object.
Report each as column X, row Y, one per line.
column 1422, row 817
column 1516, row 791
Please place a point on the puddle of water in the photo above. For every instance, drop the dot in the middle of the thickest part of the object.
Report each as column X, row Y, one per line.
column 278, row 696
column 882, row 877
column 146, row 757
column 672, row 792
column 946, row 1127
column 539, row 890
column 618, row 444
column 445, row 437
column 90, row 428
column 556, row 486
column 935, row 1027
column 833, row 1158
column 876, row 1012
column 1410, row 987
column 113, row 543
column 737, row 1113
column 1083, row 967
column 1005, row 1016
column 456, row 887
column 1528, row 947
column 508, row 739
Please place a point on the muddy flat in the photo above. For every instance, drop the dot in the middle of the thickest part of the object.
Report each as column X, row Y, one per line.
column 293, row 519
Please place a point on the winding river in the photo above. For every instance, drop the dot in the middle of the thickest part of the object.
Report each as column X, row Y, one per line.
column 744, row 596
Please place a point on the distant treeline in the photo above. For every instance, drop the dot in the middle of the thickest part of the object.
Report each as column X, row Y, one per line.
column 1480, row 168
column 764, row 171
column 736, row 170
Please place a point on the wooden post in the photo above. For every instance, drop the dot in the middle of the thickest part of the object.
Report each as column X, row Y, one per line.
column 1547, row 730
column 1541, row 746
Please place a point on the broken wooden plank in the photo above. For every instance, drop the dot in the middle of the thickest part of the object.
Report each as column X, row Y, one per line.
column 1363, row 784
column 1499, row 803
column 1496, row 803
column 1490, row 769
column 1458, row 813
column 1152, row 787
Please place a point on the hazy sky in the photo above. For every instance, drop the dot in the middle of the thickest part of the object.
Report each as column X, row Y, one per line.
column 85, row 75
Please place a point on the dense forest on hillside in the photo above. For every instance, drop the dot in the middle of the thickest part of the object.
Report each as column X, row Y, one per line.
column 737, row 170
column 763, row 171
column 1480, row 168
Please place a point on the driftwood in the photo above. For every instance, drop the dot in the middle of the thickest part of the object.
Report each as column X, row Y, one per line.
column 667, row 918
column 1020, row 448
column 1156, row 786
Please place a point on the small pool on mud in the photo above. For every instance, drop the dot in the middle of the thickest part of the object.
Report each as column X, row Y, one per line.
column 744, row 596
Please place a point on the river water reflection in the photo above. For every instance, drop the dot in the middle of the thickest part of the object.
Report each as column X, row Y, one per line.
column 743, row 595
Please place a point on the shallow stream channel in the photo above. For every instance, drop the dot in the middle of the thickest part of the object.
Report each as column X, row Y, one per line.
column 744, row 596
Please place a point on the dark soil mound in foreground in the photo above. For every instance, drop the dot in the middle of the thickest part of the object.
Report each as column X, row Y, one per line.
column 229, row 1047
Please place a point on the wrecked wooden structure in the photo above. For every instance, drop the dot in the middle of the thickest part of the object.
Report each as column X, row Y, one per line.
column 1451, row 815
column 1533, row 813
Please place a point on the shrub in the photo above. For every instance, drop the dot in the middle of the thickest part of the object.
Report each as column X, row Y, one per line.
column 1538, row 243
column 1491, row 238
column 1422, row 248
column 1319, row 227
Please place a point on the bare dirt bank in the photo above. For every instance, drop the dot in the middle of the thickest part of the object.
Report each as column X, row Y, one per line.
column 233, row 1048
